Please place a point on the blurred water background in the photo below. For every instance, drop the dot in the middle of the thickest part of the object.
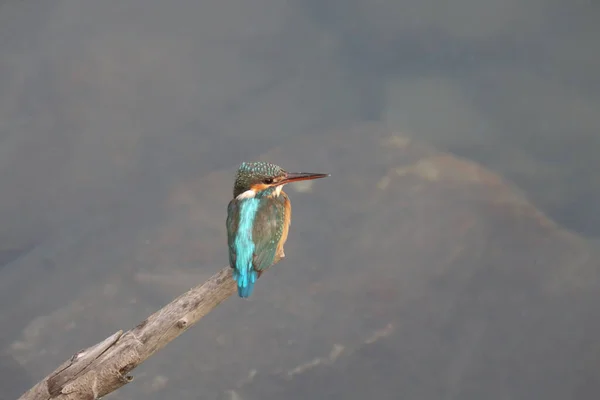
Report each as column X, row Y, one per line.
column 452, row 255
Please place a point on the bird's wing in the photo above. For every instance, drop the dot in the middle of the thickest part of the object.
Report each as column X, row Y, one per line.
column 233, row 219
column 267, row 232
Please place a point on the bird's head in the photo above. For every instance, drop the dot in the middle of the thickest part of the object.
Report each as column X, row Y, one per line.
column 260, row 178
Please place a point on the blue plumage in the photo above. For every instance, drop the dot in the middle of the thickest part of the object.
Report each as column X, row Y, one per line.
column 255, row 227
column 244, row 247
column 258, row 220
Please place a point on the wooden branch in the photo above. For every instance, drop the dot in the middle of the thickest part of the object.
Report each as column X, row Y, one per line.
column 103, row 368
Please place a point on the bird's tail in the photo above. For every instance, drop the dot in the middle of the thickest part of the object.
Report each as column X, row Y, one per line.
column 245, row 282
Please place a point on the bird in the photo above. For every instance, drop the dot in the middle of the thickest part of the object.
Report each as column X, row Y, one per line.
column 258, row 220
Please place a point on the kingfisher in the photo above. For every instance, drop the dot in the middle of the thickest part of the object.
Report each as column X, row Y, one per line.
column 258, row 220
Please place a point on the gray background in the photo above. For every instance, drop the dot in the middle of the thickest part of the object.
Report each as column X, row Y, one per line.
column 121, row 123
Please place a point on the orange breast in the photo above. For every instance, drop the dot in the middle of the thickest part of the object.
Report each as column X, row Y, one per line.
column 286, row 222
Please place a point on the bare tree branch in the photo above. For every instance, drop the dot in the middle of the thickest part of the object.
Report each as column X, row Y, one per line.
column 104, row 367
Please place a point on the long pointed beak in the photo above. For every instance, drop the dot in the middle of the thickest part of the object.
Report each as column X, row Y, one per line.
column 301, row 176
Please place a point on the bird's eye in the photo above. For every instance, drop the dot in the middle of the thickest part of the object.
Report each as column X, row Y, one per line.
column 268, row 181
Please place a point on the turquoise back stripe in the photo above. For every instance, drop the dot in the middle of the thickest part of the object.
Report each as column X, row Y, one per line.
column 244, row 246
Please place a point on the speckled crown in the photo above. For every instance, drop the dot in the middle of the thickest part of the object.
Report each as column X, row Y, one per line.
column 249, row 172
column 259, row 168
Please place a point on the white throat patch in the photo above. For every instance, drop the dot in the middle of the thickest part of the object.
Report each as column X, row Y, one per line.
column 248, row 194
